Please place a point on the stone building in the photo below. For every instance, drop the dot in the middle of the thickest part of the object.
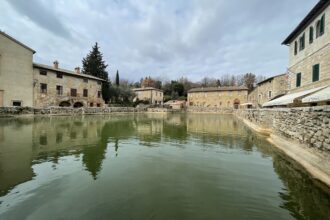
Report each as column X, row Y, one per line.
column 218, row 97
column 59, row 87
column 24, row 83
column 268, row 89
column 309, row 60
column 152, row 95
column 16, row 72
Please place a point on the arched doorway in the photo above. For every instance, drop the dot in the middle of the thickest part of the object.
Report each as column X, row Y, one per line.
column 78, row 105
column 65, row 104
column 236, row 103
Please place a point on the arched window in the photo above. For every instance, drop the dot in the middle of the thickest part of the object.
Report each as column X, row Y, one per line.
column 318, row 29
column 320, row 26
column 311, row 35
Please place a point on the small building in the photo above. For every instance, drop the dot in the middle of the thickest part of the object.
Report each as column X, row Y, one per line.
column 218, row 97
column 268, row 89
column 149, row 94
column 309, row 60
column 175, row 104
column 24, row 83
column 54, row 86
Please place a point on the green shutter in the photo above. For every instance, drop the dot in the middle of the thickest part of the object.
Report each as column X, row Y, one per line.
column 295, row 48
column 298, row 80
column 311, row 35
column 322, row 25
column 316, row 72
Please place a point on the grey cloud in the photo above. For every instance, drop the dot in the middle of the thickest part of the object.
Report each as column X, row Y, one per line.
column 41, row 15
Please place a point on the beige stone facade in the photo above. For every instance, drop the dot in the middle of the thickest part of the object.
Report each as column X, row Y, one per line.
column 219, row 97
column 16, row 72
column 268, row 89
column 23, row 83
column 153, row 95
column 59, row 87
column 309, row 50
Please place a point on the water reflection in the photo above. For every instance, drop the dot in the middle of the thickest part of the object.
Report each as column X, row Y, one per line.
column 25, row 142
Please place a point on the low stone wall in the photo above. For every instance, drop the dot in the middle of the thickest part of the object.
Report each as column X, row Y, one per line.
column 309, row 126
column 12, row 111
column 210, row 110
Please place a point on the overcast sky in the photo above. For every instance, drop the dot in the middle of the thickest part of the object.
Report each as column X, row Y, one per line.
column 167, row 38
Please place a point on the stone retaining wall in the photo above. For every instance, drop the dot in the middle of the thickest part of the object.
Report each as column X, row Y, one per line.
column 309, row 126
column 12, row 111
column 195, row 109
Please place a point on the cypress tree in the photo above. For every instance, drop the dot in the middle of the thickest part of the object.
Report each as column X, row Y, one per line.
column 117, row 78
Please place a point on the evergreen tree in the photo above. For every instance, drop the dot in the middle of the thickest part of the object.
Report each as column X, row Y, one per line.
column 94, row 65
column 117, row 78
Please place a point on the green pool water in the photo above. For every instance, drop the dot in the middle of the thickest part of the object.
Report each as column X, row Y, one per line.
column 149, row 166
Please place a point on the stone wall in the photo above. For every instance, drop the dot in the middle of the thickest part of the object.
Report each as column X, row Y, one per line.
column 196, row 109
column 309, row 126
column 14, row 111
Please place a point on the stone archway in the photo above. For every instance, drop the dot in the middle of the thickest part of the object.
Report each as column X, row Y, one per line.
column 78, row 105
column 236, row 103
column 65, row 104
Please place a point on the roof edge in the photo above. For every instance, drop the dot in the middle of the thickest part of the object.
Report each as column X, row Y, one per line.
column 316, row 10
column 16, row 41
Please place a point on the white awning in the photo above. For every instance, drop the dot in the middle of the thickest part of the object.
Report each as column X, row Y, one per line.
column 322, row 95
column 289, row 98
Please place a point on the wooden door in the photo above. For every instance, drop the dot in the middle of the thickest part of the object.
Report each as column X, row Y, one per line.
column 1, row 98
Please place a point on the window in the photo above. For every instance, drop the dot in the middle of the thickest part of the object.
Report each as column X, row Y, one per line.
column 85, row 80
column 316, row 72
column 98, row 105
column 59, row 75
column 59, row 90
column 320, row 27
column 298, row 80
column 91, row 104
column 17, row 103
column 85, row 92
column 269, row 94
column 295, row 48
column 311, row 35
column 74, row 92
column 43, row 88
column 43, row 72
column 99, row 94
column 302, row 42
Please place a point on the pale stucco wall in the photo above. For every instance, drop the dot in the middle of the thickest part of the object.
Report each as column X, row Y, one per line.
column 317, row 52
column 153, row 96
column 16, row 72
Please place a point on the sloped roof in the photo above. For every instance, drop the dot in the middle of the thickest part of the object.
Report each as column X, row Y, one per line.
column 64, row 71
column 215, row 89
column 316, row 11
column 146, row 89
column 16, row 41
column 270, row 78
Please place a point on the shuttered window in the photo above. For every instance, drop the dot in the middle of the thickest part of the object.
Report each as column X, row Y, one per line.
column 298, row 80
column 316, row 72
column 311, row 35
column 302, row 42
column 295, row 48
column 322, row 25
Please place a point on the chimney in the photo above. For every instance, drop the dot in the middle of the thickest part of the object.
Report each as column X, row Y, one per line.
column 77, row 70
column 55, row 64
